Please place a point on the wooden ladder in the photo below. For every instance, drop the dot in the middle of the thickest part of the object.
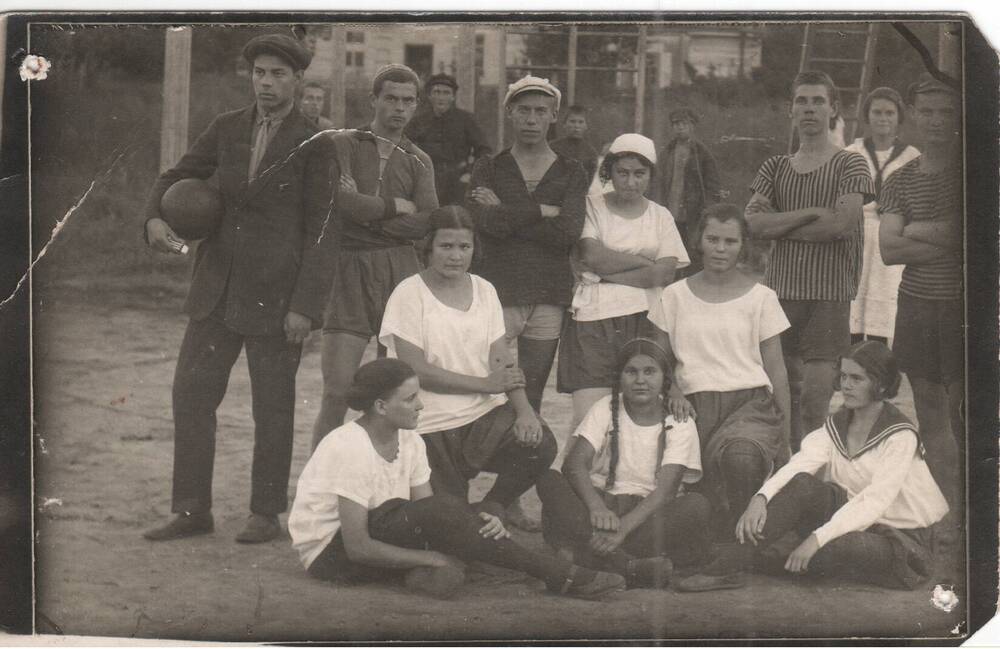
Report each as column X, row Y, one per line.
column 845, row 51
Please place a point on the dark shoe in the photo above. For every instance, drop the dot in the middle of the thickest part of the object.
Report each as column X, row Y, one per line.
column 700, row 583
column 259, row 529
column 182, row 526
column 583, row 583
column 650, row 572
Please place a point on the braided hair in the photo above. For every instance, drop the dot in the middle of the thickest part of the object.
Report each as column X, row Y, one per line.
column 631, row 349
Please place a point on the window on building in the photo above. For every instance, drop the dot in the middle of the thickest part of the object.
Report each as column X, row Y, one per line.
column 355, row 37
column 480, row 54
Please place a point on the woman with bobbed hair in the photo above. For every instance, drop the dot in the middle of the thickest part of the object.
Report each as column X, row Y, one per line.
column 873, row 311
column 364, row 508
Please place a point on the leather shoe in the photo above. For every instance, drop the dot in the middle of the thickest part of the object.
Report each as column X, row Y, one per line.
column 259, row 529
column 181, row 526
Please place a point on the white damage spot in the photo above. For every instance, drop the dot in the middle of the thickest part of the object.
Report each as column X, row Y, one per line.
column 944, row 599
column 34, row 68
column 50, row 502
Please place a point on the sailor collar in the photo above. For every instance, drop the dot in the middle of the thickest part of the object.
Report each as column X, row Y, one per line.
column 890, row 421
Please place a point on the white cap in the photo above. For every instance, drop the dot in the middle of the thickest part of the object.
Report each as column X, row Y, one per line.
column 530, row 83
column 634, row 143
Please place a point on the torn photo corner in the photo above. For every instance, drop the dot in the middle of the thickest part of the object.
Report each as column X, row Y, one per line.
column 171, row 360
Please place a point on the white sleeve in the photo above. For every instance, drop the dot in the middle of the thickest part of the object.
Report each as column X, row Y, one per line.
column 493, row 311
column 896, row 455
column 772, row 317
column 421, row 470
column 812, row 456
column 661, row 311
column 596, row 424
column 684, row 448
column 671, row 243
column 403, row 316
column 591, row 228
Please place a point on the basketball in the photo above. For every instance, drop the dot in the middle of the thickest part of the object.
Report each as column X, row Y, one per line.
column 192, row 208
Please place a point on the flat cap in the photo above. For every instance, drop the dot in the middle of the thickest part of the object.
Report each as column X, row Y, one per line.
column 529, row 83
column 281, row 45
column 442, row 79
column 927, row 83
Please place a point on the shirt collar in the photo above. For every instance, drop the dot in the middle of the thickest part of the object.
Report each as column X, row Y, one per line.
column 275, row 117
column 889, row 422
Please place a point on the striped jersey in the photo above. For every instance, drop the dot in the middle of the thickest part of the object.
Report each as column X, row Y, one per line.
column 810, row 270
column 919, row 196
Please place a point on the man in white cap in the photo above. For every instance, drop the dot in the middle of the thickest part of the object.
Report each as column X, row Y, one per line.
column 529, row 207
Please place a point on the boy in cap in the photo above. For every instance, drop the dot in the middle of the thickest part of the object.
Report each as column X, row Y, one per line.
column 528, row 202
column 921, row 227
column 384, row 193
column 810, row 203
column 687, row 180
column 258, row 282
column 450, row 136
column 573, row 144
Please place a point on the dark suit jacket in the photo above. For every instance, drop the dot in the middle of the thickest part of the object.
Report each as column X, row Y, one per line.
column 272, row 245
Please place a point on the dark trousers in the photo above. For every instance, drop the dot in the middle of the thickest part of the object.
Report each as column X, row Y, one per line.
column 880, row 555
column 444, row 523
column 206, row 359
column 488, row 444
column 678, row 530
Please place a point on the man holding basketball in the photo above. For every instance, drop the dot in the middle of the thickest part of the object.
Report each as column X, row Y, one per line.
column 259, row 280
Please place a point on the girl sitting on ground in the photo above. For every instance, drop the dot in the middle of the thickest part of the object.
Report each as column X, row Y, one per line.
column 724, row 329
column 618, row 503
column 628, row 251
column 869, row 519
column 364, row 509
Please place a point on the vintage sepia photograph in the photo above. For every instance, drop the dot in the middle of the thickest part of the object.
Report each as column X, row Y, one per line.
column 499, row 328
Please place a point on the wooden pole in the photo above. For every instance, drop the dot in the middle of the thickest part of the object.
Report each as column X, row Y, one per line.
column 570, row 98
column 501, row 86
column 640, row 79
column 338, row 88
column 950, row 49
column 176, row 96
column 465, row 67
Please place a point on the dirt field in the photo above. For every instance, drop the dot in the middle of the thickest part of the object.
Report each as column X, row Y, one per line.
column 103, row 368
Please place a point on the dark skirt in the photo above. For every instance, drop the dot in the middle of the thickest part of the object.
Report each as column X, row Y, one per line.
column 588, row 350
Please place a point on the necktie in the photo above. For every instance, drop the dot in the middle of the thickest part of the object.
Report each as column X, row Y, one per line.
column 259, row 146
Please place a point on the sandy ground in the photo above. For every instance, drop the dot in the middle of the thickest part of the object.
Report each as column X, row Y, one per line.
column 104, row 363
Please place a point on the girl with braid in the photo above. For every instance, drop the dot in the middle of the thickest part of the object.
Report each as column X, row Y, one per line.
column 619, row 504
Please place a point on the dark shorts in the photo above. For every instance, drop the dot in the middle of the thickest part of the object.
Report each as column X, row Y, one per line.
column 588, row 350
column 820, row 330
column 363, row 280
column 930, row 340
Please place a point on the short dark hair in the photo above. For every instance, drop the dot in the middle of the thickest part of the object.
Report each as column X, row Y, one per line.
column 449, row 217
column 887, row 94
column 819, row 78
column 314, row 84
column 396, row 75
column 377, row 380
column 604, row 173
column 684, row 112
column 878, row 361
column 723, row 213
column 576, row 109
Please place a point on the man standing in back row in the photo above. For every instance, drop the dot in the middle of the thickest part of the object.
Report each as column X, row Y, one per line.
column 450, row 136
column 810, row 203
column 384, row 191
column 259, row 281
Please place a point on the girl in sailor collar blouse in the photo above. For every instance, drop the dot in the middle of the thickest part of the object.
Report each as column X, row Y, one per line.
column 869, row 520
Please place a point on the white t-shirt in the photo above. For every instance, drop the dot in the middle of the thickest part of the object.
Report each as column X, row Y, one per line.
column 652, row 235
column 637, row 445
column 717, row 345
column 458, row 341
column 345, row 464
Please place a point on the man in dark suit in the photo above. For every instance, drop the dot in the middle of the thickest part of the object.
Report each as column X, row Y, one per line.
column 259, row 280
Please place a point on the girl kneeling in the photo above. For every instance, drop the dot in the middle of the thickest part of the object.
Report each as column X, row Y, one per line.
column 364, row 509
column 617, row 504
column 869, row 521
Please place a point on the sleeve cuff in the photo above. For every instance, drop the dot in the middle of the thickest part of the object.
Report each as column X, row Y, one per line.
column 823, row 535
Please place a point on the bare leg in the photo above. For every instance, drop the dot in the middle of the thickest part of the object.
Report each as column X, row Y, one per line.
column 535, row 357
column 341, row 356
column 795, row 370
column 931, row 402
column 817, row 390
column 583, row 401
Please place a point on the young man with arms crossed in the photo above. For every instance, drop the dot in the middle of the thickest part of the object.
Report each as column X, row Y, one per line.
column 384, row 192
column 259, row 281
column 921, row 226
column 810, row 204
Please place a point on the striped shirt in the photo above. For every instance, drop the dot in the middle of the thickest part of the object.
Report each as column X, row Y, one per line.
column 919, row 196
column 808, row 270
